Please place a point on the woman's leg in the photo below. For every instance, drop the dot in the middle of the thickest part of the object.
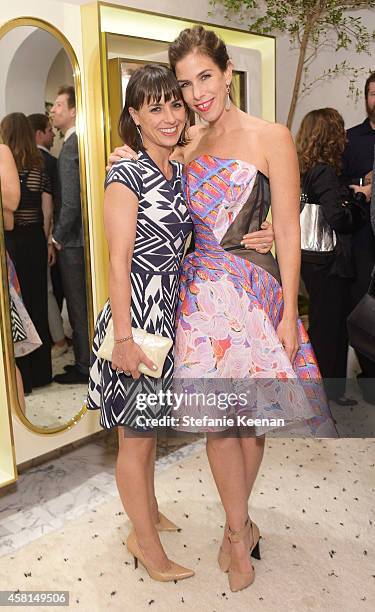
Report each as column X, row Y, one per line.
column 132, row 477
column 151, row 487
column 252, row 454
column 228, row 468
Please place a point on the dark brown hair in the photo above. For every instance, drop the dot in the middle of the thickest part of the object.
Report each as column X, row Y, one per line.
column 17, row 134
column 321, row 138
column 39, row 122
column 371, row 79
column 201, row 40
column 70, row 92
column 147, row 84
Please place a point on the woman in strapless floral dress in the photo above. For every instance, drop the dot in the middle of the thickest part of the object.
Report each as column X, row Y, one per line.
column 237, row 316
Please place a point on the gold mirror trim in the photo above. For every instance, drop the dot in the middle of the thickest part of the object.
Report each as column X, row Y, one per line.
column 5, row 333
column 9, row 361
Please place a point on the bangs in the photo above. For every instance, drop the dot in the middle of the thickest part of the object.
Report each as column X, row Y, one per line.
column 155, row 82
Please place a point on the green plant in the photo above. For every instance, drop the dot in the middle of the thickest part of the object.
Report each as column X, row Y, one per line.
column 311, row 26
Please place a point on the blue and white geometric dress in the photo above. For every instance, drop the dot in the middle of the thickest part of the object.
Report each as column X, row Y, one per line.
column 163, row 224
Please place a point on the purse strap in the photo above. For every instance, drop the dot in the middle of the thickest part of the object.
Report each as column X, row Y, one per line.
column 305, row 188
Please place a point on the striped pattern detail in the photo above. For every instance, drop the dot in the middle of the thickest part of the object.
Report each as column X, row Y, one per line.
column 163, row 225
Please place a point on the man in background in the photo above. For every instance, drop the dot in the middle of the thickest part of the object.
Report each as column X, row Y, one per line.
column 44, row 137
column 358, row 162
column 68, row 236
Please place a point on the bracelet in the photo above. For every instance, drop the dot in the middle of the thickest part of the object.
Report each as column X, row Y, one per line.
column 120, row 340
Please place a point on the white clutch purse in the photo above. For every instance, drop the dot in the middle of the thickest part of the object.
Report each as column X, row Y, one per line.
column 155, row 346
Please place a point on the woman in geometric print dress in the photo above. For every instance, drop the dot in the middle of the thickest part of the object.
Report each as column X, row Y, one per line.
column 147, row 224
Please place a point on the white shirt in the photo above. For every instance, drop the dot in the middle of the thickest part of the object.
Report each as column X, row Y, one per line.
column 43, row 149
column 69, row 132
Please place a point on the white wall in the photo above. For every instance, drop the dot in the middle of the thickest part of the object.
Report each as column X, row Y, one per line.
column 23, row 84
column 334, row 93
column 327, row 94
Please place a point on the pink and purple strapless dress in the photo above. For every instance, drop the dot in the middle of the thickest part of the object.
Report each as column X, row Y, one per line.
column 231, row 303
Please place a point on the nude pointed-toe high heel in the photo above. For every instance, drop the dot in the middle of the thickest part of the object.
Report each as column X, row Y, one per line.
column 223, row 557
column 240, row 580
column 175, row 571
column 165, row 524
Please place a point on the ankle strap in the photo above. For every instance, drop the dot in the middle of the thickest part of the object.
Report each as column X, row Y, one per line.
column 237, row 536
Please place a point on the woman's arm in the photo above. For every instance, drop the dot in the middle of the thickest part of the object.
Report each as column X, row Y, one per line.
column 47, row 208
column 343, row 217
column 8, row 219
column 10, row 182
column 120, row 223
column 285, row 202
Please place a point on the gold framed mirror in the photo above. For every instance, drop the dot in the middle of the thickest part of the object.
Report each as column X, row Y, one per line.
column 43, row 403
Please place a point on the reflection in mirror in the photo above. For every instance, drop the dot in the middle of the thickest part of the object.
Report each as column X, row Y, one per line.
column 41, row 193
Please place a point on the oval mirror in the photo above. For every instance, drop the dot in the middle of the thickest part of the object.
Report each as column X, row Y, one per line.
column 45, row 237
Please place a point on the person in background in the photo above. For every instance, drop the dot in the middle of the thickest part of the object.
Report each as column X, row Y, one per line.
column 372, row 208
column 10, row 192
column 44, row 137
column 67, row 236
column 358, row 161
column 32, row 224
column 328, row 275
column 10, row 199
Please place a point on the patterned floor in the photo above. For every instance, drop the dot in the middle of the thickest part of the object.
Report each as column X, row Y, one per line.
column 313, row 502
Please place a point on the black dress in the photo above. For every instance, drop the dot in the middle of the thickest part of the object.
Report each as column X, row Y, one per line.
column 327, row 276
column 30, row 260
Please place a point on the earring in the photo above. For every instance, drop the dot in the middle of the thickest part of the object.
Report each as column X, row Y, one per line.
column 139, row 133
column 228, row 101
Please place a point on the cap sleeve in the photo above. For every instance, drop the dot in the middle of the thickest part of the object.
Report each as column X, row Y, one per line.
column 127, row 172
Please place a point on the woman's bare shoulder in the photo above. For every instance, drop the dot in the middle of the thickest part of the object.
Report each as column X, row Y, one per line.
column 5, row 152
column 276, row 130
column 6, row 159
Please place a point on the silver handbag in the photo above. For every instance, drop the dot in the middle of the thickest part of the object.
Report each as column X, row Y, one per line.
column 317, row 235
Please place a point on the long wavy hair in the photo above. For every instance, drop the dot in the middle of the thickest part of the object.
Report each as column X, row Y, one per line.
column 17, row 133
column 321, row 138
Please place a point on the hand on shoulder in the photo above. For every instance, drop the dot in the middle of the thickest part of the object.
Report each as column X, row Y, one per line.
column 194, row 131
column 193, row 134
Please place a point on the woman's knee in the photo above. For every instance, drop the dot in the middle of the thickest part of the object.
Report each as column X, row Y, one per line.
column 222, row 442
column 139, row 446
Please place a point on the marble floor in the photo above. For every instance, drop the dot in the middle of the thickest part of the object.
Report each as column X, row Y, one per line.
column 64, row 488
column 63, row 528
